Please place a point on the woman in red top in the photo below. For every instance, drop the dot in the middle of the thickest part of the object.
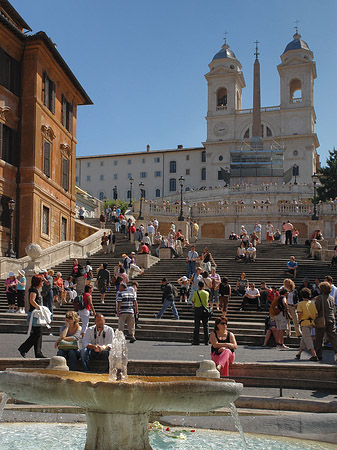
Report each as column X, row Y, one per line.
column 85, row 313
column 58, row 282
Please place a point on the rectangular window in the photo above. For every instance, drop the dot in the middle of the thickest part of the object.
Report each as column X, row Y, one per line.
column 156, row 160
column 101, row 177
column 88, row 164
column 65, row 174
column 115, row 176
column 173, row 167
column 115, row 163
column 67, row 114
column 63, row 229
column 203, row 173
column 9, row 72
column 76, row 179
column 45, row 220
column 9, row 148
column 143, row 174
column 129, row 161
column 88, row 178
column 187, row 172
column 187, row 157
column 157, row 173
column 48, row 90
column 129, row 175
column 46, row 158
column 143, row 160
column 102, row 163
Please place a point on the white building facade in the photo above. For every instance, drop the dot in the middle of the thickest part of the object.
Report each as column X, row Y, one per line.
column 288, row 132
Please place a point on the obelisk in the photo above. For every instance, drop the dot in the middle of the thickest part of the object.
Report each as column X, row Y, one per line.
column 256, row 141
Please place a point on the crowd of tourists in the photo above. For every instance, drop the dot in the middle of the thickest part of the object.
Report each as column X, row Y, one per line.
column 201, row 287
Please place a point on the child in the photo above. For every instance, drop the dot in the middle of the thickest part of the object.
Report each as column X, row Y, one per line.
column 183, row 282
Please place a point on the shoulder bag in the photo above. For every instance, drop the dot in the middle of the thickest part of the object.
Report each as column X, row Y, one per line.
column 207, row 311
column 67, row 345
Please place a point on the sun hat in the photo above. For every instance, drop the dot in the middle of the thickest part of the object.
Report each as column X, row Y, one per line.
column 21, row 272
column 11, row 274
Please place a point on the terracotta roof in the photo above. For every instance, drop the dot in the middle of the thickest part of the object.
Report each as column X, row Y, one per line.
column 145, row 152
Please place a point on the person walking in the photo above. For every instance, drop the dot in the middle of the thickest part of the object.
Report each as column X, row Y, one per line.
column 307, row 314
column 127, row 307
column 325, row 322
column 103, row 281
column 191, row 261
column 167, row 299
column 35, row 336
column 200, row 305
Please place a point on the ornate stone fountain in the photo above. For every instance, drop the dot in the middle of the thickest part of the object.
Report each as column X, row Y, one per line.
column 118, row 411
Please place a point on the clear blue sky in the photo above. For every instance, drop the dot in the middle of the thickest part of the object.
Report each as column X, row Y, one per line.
column 143, row 62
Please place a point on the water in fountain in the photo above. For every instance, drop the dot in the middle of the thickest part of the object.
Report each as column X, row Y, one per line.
column 238, row 425
column 4, row 400
column 118, row 357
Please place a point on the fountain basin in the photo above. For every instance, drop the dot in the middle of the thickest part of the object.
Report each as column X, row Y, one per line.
column 118, row 411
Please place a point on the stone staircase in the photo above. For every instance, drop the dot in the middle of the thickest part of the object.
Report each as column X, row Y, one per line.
column 248, row 325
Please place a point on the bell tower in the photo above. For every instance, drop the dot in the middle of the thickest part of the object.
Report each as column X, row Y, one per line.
column 225, row 83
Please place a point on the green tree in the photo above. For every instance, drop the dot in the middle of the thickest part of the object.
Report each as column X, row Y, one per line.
column 328, row 178
column 114, row 203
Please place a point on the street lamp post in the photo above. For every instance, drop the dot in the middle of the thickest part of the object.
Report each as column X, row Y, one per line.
column 181, row 181
column 314, row 180
column 10, row 252
column 131, row 181
column 140, row 217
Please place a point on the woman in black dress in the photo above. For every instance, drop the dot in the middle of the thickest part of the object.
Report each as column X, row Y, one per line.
column 35, row 337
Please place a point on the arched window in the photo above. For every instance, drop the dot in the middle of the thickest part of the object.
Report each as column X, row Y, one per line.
column 246, row 135
column 157, row 193
column 203, row 156
column 268, row 132
column 295, row 91
column 221, row 97
column 173, row 166
column 173, row 185
column 101, row 196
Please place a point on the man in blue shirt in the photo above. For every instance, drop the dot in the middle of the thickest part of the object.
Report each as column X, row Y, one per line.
column 292, row 267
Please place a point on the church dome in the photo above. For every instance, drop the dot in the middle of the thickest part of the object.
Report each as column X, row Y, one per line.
column 296, row 44
column 225, row 52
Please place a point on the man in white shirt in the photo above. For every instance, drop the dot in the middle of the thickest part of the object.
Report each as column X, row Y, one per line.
column 257, row 231
column 333, row 292
column 97, row 342
column 191, row 261
column 251, row 253
column 151, row 232
column 251, row 294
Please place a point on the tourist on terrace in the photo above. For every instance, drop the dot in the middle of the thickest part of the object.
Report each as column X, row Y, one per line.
column 241, row 252
column 127, row 307
column 144, row 250
column 21, row 290
column 292, row 301
column 245, row 240
column 225, row 291
column 257, row 231
column 295, row 236
column 104, row 243
column 251, row 253
column 269, row 232
column 277, row 235
column 292, row 267
column 10, row 284
column 102, row 220
column 270, row 328
column 200, row 305
column 111, row 242
column 138, row 237
column 223, row 346
column 279, row 310
column 207, row 260
column 58, row 283
column 289, row 228
column 183, row 283
column 242, row 231
column 307, row 314
column 216, row 280
column 241, row 285
column 167, row 299
column 194, row 281
column 88, row 307
column 315, row 249
column 103, row 281
column 97, row 342
column 191, row 262
column 325, row 306
column 89, row 272
column 151, row 232
column 133, row 266
column 251, row 294
column 67, row 343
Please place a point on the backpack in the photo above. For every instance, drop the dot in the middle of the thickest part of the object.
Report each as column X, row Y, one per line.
column 175, row 292
column 79, row 304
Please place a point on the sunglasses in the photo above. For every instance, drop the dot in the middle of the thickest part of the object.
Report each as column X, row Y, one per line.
column 223, row 323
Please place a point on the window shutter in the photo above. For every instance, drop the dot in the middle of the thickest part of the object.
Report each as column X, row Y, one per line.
column 1, row 133
column 70, row 118
column 65, row 174
column 46, row 158
column 2, row 66
column 45, row 89
column 15, row 76
column 52, row 97
column 64, row 111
